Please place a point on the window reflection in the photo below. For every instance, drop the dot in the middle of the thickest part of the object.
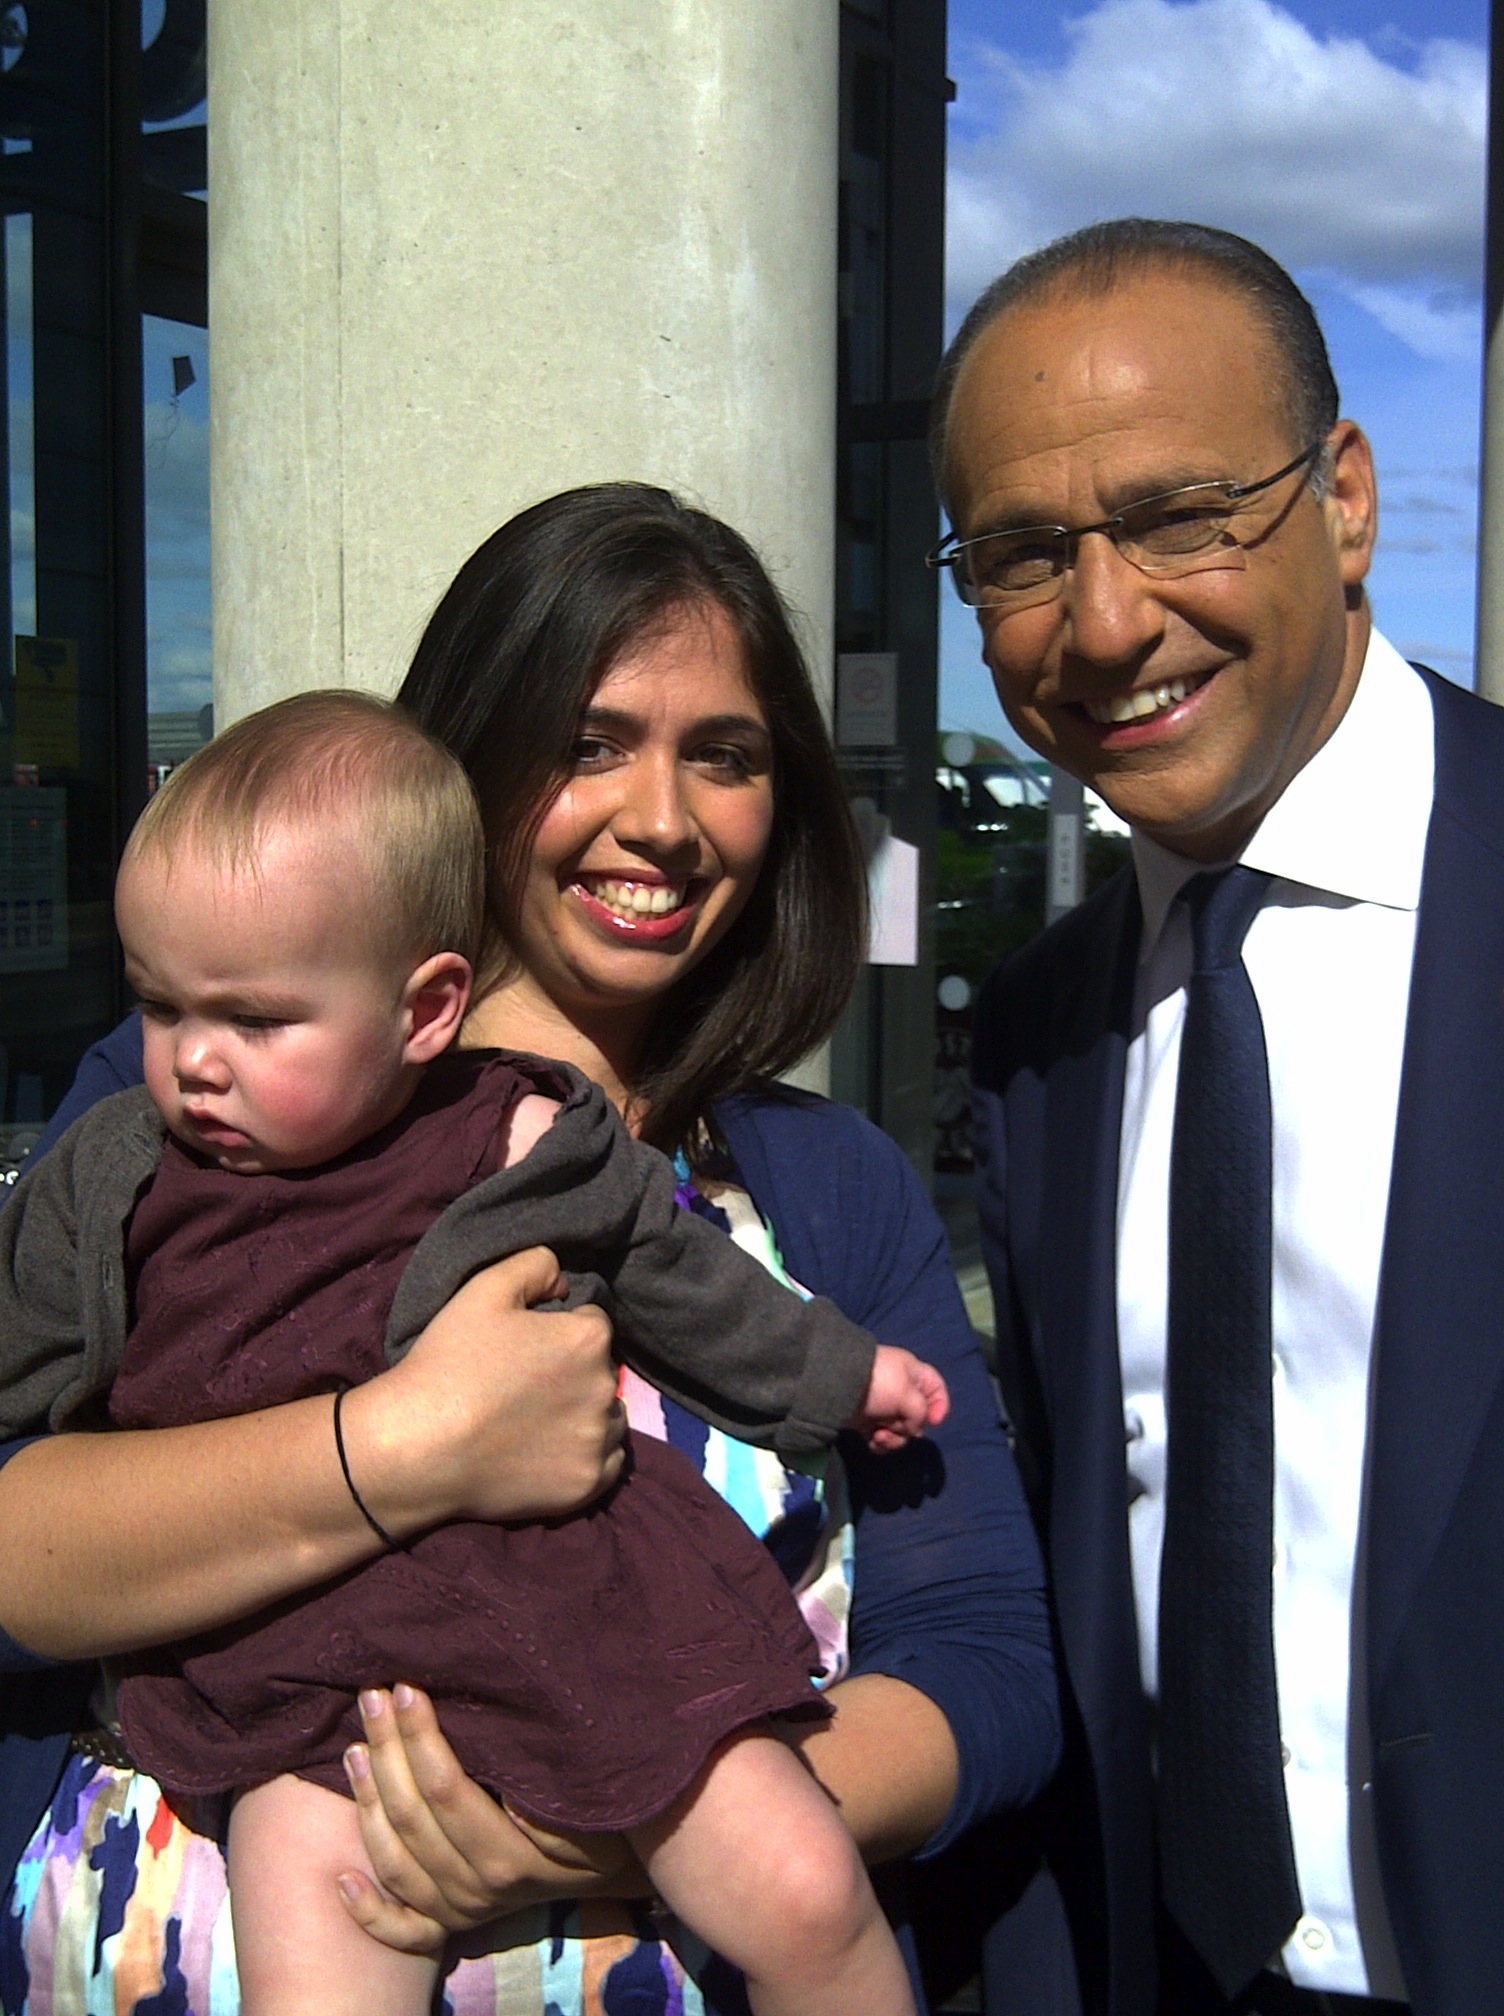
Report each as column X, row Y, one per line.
column 175, row 396
column 173, row 150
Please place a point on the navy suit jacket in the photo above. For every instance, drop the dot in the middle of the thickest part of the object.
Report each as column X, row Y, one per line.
column 1052, row 1033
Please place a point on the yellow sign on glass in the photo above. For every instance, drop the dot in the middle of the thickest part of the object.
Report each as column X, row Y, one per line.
column 47, row 702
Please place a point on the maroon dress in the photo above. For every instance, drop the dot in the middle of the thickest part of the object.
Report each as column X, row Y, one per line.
column 582, row 1669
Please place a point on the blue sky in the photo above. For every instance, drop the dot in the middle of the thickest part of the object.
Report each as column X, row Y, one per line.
column 1345, row 136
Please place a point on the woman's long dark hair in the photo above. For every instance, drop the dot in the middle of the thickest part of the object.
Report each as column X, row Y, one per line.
column 503, row 674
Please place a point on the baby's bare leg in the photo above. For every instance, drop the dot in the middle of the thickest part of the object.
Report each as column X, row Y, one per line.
column 298, row 1951
column 755, row 1859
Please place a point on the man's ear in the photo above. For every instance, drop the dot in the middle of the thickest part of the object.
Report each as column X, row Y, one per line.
column 435, row 999
column 1351, row 501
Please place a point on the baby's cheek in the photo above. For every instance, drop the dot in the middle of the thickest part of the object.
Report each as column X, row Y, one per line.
column 300, row 1102
column 314, row 1105
column 156, row 1068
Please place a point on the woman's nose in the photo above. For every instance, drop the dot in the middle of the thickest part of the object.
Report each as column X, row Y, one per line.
column 655, row 810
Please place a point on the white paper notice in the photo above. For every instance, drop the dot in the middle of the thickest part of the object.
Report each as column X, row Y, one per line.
column 867, row 699
column 893, row 894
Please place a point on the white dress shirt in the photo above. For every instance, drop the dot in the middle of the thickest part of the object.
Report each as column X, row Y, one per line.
column 1329, row 955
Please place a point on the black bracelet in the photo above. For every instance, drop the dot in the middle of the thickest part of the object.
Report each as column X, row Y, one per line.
column 344, row 1463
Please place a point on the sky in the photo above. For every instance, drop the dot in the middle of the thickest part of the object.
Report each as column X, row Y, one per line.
column 1347, row 137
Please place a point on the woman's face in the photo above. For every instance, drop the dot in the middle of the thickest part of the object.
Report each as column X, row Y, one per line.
column 652, row 848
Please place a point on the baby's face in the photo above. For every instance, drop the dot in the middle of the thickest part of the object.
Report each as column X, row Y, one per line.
column 275, row 1029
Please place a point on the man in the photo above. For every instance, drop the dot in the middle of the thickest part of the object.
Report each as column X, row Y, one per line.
column 1241, row 1153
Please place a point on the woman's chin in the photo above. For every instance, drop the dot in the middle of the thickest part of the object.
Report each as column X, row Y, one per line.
column 595, row 977
column 627, row 977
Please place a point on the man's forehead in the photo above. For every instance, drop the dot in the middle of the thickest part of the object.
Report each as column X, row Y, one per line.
column 1091, row 397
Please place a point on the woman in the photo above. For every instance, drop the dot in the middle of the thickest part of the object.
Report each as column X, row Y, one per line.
column 677, row 903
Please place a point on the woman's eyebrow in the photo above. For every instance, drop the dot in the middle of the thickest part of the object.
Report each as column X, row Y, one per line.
column 712, row 724
column 731, row 724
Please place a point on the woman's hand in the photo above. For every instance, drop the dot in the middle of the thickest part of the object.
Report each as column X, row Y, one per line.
column 446, row 1855
column 499, row 1411
column 449, row 1858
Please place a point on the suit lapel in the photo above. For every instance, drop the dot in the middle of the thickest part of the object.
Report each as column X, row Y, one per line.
column 1083, row 1392
column 1083, row 1383
column 1438, row 1352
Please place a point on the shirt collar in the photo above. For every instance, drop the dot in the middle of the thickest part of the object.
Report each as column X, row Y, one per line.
column 1353, row 822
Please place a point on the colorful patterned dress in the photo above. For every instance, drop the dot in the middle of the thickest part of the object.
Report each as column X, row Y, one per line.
column 113, row 1860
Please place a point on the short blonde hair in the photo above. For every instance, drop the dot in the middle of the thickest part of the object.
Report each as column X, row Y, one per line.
column 401, row 803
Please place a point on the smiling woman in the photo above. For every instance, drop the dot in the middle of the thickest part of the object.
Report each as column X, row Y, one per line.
column 652, row 846
column 624, row 667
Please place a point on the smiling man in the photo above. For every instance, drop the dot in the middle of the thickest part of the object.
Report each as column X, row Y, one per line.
column 1241, row 1189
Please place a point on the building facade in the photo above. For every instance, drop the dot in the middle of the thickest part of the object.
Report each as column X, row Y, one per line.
column 102, row 177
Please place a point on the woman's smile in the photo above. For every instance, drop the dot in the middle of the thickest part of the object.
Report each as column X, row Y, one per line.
column 652, row 910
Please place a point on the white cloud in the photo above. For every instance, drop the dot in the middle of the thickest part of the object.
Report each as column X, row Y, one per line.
column 1235, row 113
column 1446, row 331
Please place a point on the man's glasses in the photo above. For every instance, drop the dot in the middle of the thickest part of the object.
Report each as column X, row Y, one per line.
column 1181, row 532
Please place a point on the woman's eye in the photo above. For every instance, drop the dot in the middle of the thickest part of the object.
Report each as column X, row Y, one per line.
column 727, row 757
column 591, row 752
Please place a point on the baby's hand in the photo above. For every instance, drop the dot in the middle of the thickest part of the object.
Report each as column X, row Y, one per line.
column 904, row 1397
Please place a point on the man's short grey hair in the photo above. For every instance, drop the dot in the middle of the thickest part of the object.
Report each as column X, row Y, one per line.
column 1097, row 259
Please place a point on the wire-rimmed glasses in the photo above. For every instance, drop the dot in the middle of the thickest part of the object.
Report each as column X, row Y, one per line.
column 1179, row 532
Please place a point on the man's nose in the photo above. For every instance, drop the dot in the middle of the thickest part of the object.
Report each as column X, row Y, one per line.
column 1112, row 612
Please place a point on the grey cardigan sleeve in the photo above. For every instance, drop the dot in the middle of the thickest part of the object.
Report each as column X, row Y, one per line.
column 697, row 1316
column 62, row 1267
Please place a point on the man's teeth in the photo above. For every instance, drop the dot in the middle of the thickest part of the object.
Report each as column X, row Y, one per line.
column 640, row 899
column 1140, row 705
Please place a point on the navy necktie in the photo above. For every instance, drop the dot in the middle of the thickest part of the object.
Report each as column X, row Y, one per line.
column 1227, row 1861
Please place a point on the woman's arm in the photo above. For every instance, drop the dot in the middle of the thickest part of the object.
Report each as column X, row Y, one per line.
column 890, row 1811
column 112, row 1542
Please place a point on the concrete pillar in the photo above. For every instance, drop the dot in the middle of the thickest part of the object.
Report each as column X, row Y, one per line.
column 465, row 256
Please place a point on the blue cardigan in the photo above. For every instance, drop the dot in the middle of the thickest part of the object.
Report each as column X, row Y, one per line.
column 949, row 1585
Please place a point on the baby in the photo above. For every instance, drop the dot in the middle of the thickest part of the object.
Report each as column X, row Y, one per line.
column 307, row 1177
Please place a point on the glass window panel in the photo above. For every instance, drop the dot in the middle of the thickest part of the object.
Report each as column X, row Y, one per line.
column 22, row 435
column 175, row 393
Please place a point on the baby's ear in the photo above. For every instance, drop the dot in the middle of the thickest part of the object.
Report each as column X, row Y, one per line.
column 434, row 1001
